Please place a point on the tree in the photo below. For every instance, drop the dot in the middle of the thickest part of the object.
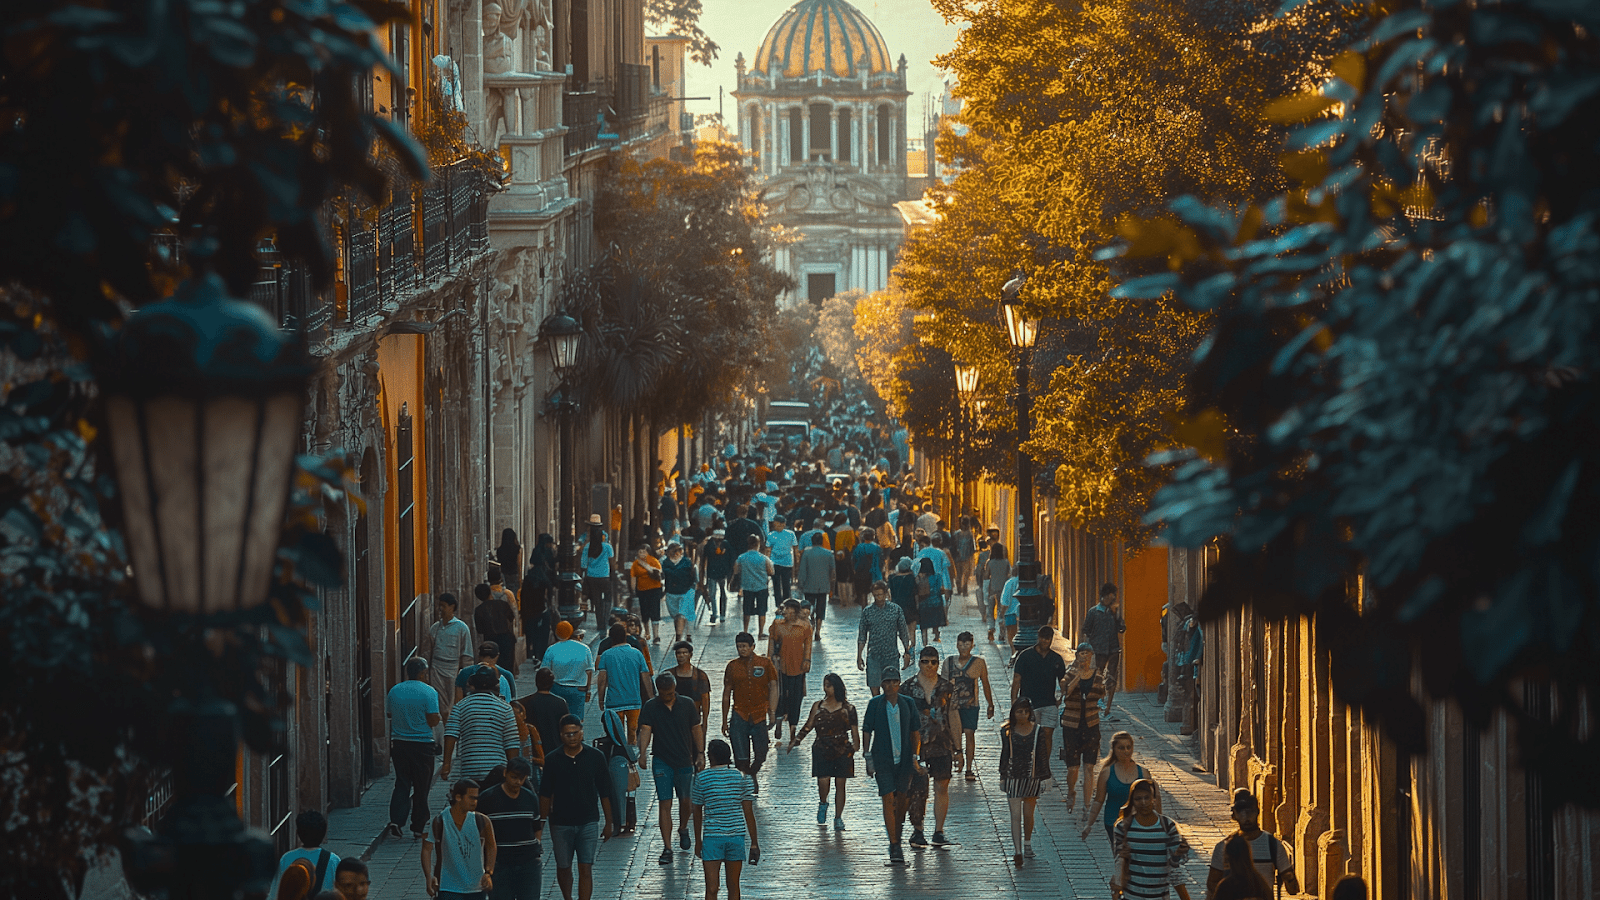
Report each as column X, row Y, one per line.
column 1398, row 387
column 127, row 128
column 836, row 332
column 682, row 17
column 1075, row 118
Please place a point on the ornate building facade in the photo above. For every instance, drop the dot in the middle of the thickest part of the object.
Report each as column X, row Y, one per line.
column 822, row 113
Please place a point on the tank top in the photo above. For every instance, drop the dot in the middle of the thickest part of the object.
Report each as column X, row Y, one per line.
column 460, row 855
column 1117, row 792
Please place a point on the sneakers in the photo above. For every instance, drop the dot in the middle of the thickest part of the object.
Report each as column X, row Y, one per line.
column 896, row 854
column 822, row 813
column 683, row 839
column 713, row 622
column 918, row 841
column 665, row 858
column 393, row 830
column 1027, row 849
column 939, row 839
column 838, row 823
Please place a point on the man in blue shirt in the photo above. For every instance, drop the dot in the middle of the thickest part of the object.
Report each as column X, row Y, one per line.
column 624, row 679
column 488, row 659
column 754, row 571
column 784, row 557
column 413, row 708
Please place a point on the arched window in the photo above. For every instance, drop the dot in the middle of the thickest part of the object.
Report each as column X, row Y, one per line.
column 884, row 114
column 844, row 135
column 797, row 140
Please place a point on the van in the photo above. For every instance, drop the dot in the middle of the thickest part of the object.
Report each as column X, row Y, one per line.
column 789, row 432
column 789, row 409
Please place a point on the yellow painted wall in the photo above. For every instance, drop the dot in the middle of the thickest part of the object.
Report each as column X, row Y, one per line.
column 1144, row 592
column 400, row 368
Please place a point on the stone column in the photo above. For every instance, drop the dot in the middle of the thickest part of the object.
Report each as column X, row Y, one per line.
column 469, row 56
column 805, row 132
column 833, row 134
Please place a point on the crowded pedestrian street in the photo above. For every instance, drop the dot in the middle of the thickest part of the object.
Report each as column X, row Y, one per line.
column 802, row 858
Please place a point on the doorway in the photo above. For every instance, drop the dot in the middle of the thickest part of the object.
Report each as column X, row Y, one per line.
column 819, row 287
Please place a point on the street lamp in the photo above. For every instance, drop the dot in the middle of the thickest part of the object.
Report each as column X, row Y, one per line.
column 204, row 398
column 1023, row 330
column 966, row 390
column 564, row 337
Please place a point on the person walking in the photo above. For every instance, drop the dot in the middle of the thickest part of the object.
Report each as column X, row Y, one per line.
column 724, row 815
column 488, row 661
column 316, row 864
column 932, row 594
column 833, row 757
column 647, row 590
column 784, row 546
column 1146, row 848
column 962, row 548
column 458, row 851
column 692, row 683
column 1024, row 764
column 844, row 548
column 754, row 573
column 1037, row 673
column 997, row 570
column 815, row 576
column 750, row 685
column 413, row 710
column 866, row 565
column 672, row 723
column 512, row 808
column 543, row 710
column 598, row 560
column 572, row 663
column 904, row 590
column 1080, row 723
column 1271, row 858
column 939, row 723
column 1010, row 608
column 535, row 599
column 716, row 569
column 482, row 734
column 496, row 621
column 1118, row 772
column 678, row 578
column 890, row 745
column 449, row 650
column 789, row 647
column 624, row 680
column 880, row 637
column 509, row 557
column 1242, row 881
column 1103, row 627
column 967, row 672
column 575, row 782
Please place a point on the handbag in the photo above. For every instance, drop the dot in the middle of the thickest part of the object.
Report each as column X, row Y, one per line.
column 633, row 777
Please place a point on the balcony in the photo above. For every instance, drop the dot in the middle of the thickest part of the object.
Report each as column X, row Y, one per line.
column 624, row 102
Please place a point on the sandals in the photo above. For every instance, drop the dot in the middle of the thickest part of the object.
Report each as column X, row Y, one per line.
column 971, row 775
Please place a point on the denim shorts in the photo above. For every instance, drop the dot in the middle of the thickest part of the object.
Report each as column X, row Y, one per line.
column 681, row 605
column 580, row 840
column 722, row 848
column 671, row 780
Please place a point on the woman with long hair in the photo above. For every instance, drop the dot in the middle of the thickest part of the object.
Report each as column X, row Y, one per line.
column 1118, row 772
column 1024, row 761
column 1242, row 882
column 598, row 559
column 1147, row 849
column 833, row 755
column 930, row 600
column 509, row 556
column 539, row 614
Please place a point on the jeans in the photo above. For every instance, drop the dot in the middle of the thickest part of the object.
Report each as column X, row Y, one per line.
column 782, row 580
column 518, row 880
column 574, row 698
column 717, row 596
column 575, row 840
column 747, row 736
column 791, row 689
column 413, row 775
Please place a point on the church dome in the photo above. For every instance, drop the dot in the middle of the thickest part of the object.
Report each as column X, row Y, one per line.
column 830, row 35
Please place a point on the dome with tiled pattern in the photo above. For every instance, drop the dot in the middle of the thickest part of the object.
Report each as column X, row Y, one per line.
column 827, row 35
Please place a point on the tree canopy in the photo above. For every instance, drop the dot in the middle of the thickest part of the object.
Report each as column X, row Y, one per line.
column 1398, row 383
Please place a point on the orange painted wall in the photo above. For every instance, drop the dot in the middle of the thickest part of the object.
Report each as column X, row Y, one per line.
column 1144, row 591
column 400, row 362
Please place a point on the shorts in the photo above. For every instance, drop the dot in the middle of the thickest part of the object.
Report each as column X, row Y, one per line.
column 575, row 840
column 681, row 606
column 755, row 602
column 671, row 780
column 1011, row 619
column 1080, row 745
column 969, row 718
column 1047, row 716
column 722, row 848
column 939, row 767
column 1112, row 668
column 838, row 767
column 650, row 605
column 875, row 667
column 894, row 781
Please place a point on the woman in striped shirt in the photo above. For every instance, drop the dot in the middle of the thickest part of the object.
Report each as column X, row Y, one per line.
column 1148, row 849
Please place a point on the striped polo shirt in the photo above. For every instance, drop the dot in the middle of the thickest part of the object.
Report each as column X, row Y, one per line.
column 1153, row 852
column 722, row 790
column 484, row 728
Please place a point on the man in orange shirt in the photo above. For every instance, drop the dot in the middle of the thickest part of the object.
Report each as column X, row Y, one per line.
column 789, row 644
column 751, row 684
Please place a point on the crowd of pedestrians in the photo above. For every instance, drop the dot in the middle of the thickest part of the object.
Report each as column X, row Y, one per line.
column 787, row 544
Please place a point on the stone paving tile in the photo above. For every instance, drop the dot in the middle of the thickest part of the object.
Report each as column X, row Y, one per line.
column 800, row 858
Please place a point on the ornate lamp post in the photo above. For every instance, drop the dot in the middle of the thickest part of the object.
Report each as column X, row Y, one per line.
column 1023, row 331
column 966, row 390
column 204, row 398
column 564, row 337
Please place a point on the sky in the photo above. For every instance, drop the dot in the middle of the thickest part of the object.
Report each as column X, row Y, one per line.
column 910, row 27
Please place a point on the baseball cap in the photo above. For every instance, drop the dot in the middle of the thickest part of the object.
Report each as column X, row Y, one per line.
column 891, row 673
column 488, row 648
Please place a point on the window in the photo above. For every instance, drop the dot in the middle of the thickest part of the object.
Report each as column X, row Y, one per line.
column 821, row 129
column 797, row 147
column 755, row 131
column 655, row 67
column 844, row 135
column 884, row 154
column 819, row 287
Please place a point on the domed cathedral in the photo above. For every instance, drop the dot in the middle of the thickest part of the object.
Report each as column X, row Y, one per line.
column 822, row 113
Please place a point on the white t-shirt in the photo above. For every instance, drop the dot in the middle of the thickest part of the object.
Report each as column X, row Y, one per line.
column 309, row 854
column 1262, row 852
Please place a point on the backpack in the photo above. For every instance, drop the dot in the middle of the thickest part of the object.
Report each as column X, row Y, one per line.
column 317, row 874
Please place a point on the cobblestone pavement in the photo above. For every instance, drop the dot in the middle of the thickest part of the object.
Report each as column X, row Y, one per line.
column 849, row 865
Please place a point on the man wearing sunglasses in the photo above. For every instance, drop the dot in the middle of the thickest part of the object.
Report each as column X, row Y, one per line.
column 939, row 722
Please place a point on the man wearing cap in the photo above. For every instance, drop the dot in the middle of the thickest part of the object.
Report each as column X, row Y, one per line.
column 1080, row 722
column 1273, row 860
column 881, row 635
column 890, row 743
column 1037, row 673
column 572, row 663
column 488, row 661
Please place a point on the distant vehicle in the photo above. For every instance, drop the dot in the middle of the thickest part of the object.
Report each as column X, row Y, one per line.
column 788, row 432
column 788, row 409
